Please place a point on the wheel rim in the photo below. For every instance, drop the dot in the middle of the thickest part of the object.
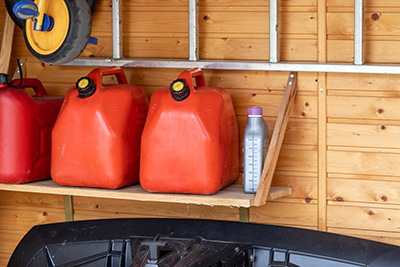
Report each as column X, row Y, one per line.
column 48, row 42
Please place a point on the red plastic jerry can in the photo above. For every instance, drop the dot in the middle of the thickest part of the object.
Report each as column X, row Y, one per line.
column 25, row 128
column 190, row 143
column 96, row 138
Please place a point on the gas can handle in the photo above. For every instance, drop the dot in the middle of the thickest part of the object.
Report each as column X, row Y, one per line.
column 117, row 71
column 31, row 83
column 195, row 73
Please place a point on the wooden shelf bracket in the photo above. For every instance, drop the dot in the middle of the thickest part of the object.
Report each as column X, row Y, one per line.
column 276, row 141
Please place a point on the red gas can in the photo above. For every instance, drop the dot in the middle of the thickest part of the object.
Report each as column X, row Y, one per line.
column 190, row 140
column 25, row 130
column 96, row 138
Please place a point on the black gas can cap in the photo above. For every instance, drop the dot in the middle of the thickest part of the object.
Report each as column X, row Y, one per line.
column 179, row 90
column 4, row 78
column 86, row 87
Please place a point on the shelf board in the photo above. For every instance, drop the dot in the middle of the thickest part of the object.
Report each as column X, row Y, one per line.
column 232, row 196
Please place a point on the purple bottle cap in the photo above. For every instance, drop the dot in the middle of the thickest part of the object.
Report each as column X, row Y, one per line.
column 254, row 111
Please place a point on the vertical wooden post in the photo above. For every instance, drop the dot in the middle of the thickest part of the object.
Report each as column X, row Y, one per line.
column 244, row 214
column 322, row 119
column 6, row 43
column 68, row 208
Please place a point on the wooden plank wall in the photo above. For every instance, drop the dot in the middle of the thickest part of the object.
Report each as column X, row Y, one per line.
column 363, row 118
column 340, row 151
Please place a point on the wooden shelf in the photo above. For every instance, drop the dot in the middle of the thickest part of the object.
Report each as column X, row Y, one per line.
column 232, row 196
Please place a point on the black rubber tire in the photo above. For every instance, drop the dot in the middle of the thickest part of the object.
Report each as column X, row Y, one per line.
column 80, row 27
column 9, row 6
column 92, row 5
column 20, row 23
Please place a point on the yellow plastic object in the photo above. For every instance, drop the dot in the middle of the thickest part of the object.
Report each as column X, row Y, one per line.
column 48, row 42
column 177, row 86
column 41, row 4
column 83, row 83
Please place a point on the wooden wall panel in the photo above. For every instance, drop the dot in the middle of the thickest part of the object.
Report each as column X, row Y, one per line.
column 304, row 186
column 342, row 188
column 7, row 245
column 362, row 130
column 256, row 49
column 1, row 22
column 4, row 259
column 19, row 221
column 364, row 217
column 376, row 24
column 364, row 135
column 123, row 208
column 285, row 214
column 297, row 160
column 362, row 84
column 369, row 163
column 367, row 3
column 19, row 212
column 375, row 51
column 304, row 106
column 362, row 109
column 19, row 199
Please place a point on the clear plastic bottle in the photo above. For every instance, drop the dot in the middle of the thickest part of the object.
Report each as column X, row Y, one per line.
column 255, row 147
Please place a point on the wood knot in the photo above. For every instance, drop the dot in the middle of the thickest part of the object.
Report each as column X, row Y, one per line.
column 306, row 104
column 206, row 17
column 384, row 198
column 383, row 127
column 380, row 111
column 253, row 94
column 375, row 16
column 308, row 199
column 370, row 213
column 44, row 213
column 303, row 114
column 340, row 199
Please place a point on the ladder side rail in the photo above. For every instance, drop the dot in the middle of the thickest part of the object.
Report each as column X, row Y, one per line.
column 359, row 32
